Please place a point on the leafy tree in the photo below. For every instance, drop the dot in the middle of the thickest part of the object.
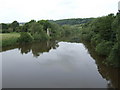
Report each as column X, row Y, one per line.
column 4, row 27
column 35, row 28
column 104, row 48
column 45, row 24
column 27, row 26
column 40, row 36
column 104, row 34
column 114, row 55
column 14, row 25
column 25, row 37
column 55, row 30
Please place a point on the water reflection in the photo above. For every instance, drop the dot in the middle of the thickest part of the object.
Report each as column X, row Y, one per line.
column 68, row 61
column 63, row 67
column 36, row 48
column 109, row 73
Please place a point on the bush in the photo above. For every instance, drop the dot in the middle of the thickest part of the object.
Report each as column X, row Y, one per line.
column 25, row 38
column 114, row 55
column 96, row 39
column 104, row 34
column 40, row 36
column 87, row 34
column 104, row 48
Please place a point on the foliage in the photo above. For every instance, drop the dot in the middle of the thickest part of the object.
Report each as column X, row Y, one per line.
column 104, row 48
column 96, row 39
column 104, row 34
column 114, row 55
column 35, row 28
column 71, row 30
column 14, row 25
column 45, row 24
column 25, row 37
column 86, row 34
column 73, row 21
column 40, row 36
column 4, row 28
column 55, row 31
column 39, row 29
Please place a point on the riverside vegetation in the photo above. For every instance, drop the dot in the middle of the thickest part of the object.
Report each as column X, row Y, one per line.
column 8, row 39
column 36, row 31
column 103, row 33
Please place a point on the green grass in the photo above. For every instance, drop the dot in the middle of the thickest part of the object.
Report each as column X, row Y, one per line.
column 0, row 30
column 7, row 39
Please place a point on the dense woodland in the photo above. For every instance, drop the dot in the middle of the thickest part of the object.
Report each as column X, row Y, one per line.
column 103, row 33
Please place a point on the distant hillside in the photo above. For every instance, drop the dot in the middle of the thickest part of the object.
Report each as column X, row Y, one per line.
column 73, row 21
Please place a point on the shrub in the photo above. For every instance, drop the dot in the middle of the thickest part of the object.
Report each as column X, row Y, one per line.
column 96, row 39
column 40, row 36
column 25, row 38
column 104, row 48
column 114, row 55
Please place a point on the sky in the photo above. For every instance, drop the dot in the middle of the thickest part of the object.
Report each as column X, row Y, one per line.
column 26, row 10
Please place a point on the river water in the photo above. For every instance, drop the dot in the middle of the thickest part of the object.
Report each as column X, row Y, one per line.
column 54, row 64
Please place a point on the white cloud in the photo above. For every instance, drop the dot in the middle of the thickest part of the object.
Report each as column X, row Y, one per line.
column 25, row 10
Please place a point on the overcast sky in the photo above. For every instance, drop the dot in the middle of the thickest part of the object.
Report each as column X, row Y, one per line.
column 25, row 10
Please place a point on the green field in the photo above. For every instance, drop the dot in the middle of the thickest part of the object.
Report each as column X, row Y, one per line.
column 8, row 39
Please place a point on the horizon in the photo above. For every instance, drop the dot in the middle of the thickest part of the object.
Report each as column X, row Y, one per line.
column 22, row 11
column 49, row 20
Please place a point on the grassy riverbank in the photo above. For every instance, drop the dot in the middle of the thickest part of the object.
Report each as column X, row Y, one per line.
column 8, row 39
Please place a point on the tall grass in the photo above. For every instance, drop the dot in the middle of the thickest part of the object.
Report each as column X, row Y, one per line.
column 8, row 39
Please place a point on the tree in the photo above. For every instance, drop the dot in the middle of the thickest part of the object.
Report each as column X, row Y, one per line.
column 14, row 25
column 4, row 28
column 105, row 37
column 45, row 24
column 26, row 27
column 25, row 38
column 35, row 28
column 55, row 30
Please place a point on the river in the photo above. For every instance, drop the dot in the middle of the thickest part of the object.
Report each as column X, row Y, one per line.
column 55, row 64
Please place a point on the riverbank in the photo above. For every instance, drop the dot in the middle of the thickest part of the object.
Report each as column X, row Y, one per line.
column 103, row 33
column 8, row 39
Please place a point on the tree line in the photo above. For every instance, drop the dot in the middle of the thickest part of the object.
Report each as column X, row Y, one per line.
column 104, row 34
column 72, row 21
column 38, row 30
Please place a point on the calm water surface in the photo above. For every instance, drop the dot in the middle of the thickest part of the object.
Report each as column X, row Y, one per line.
column 54, row 65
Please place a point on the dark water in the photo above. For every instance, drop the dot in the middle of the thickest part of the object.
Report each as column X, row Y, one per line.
column 55, row 65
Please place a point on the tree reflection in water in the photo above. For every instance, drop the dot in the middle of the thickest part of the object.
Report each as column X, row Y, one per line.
column 38, row 48
column 109, row 73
